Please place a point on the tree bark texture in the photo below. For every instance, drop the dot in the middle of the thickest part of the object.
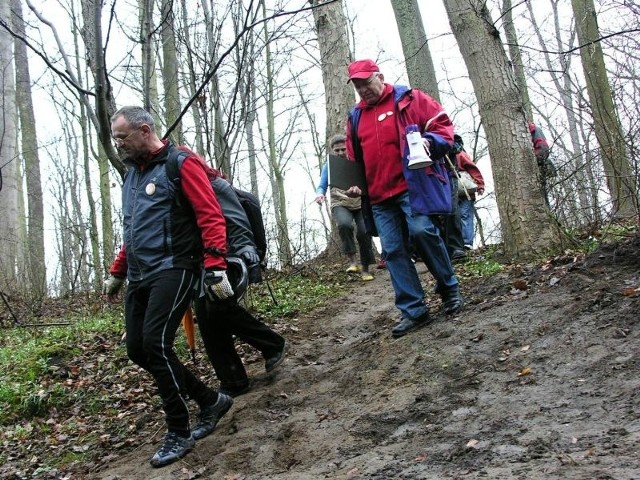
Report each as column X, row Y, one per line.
column 333, row 40
column 527, row 228
column 8, row 158
column 422, row 74
column 605, row 117
column 36, row 280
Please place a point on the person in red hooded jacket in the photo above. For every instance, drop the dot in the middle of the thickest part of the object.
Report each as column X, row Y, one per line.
column 541, row 152
column 467, row 200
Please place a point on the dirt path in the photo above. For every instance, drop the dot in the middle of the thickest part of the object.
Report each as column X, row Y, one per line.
column 541, row 383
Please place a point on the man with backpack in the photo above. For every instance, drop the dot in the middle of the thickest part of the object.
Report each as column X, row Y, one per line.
column 222, row 320
column 403, row 200
column 169, row 235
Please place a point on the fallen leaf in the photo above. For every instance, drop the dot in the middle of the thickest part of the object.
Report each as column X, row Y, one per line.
column 553, row 281
column 525, row 371
column 354, row 472
column 473, row 443
column 520, row 284
column 525, row 348
column 478, row 337
column 421, row 458
column 630, row 292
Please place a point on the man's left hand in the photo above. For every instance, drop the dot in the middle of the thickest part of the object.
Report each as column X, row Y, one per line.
column 250, row 258
column 217, row 285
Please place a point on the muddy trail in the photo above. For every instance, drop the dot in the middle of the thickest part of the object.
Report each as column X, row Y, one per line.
column 538, row 378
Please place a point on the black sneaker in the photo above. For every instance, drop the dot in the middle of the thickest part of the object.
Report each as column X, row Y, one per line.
column 407, row 325
column 458, row 256
column 211, row 415
column 174, row 448
column 274, row 361
column 452, row 302
column 234, row 390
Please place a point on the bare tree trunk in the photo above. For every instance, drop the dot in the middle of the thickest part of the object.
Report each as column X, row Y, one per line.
column 331, row 27
column 277, row 179
column 35, row 256
column 170, row 76
column 527, row 228
column 605, row 118
column 191, row 82
column 8, row 158
column 585, row 203
column 221, row 150
column 104, row 102
column 422, row 74
column 149, row 78
column 516, row 56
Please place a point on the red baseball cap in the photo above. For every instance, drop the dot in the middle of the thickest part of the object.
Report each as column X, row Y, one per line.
column 362, row 69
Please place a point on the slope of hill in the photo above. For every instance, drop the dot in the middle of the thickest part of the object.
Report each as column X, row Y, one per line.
column 538, row 378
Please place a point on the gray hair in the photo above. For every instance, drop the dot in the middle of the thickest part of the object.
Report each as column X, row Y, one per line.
column 339, row 138
column 136, row 116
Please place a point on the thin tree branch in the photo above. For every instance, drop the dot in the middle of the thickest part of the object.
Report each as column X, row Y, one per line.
column 227, row 52
column 60, row 73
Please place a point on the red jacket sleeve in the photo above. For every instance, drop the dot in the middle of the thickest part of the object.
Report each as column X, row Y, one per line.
column 198, row 191
column 119, row 266
column 465, row 163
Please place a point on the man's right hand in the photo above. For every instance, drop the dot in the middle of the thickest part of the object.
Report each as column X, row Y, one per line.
column 354, row 191
column 111, row 287
column 319, row 199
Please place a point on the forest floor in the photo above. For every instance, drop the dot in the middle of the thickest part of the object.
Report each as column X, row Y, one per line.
column 538, row 378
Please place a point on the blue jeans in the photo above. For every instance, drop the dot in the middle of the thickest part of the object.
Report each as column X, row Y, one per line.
column 399, row 230
column 467, row 212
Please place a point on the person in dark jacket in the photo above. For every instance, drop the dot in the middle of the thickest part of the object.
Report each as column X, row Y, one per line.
column 403, row 200
column 220, row 320
column 169, row 232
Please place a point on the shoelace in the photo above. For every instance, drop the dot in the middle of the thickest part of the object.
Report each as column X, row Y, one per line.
column 170, row 445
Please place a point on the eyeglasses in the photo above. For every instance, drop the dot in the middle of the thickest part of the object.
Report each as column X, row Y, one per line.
column 365, row 83
column 118, row 142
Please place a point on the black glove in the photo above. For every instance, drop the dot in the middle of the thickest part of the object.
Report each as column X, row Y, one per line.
column 250, row 258
column 217, row 285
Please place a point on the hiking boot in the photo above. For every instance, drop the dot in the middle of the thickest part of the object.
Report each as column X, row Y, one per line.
column 174, row 448
column 458, row 256
column 381, row 264
column 366, row 276
column 353, row 269
column 234, row 390
column 211, row 415
column 452, row 301
column 406, row 325
column 274, row 361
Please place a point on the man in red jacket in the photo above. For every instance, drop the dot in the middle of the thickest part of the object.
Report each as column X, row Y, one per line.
column 169, row 232
column 403, row 200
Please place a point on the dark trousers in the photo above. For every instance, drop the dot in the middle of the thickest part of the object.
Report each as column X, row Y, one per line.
column 218, row 323
column 345, row 220
column 451, row 225
column 153, row 311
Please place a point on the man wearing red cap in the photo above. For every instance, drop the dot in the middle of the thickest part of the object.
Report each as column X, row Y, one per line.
column 402, row 199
